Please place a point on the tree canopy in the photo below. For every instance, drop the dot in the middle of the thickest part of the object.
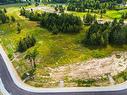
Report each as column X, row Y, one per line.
column 83, row 5
column 25, row 43
column 107, row 33
column 55, row 23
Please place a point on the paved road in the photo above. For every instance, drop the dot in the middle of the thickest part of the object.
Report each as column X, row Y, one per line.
column 12, row 88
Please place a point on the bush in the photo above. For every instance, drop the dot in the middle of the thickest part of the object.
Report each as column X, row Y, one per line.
column 85, row 83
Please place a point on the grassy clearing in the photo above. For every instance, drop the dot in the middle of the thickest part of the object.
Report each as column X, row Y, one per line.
column 115, row 14
column 54, row 50
column 110, row 14
column 81, row 14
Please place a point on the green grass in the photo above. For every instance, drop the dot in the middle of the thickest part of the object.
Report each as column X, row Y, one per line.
column 110, row 14
column 121, row 77
column 54, row 50
column 115, row 14
column 81, row 14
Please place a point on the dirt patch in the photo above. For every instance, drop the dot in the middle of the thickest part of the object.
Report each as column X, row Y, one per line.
column 43, row 8
column 92, row 69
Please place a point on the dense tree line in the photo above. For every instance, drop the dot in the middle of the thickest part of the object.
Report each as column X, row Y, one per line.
column 87, row 5
column 60, row 1
column 65, row 23
column 61, row 23
column 9, row 1
column 107, row 33
column 31, row 1
column 26, row 43
column 117, row 1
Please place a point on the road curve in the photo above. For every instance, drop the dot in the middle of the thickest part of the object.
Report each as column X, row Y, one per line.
column 12, row 87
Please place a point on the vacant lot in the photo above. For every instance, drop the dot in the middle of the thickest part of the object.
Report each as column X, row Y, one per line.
column 55, row 51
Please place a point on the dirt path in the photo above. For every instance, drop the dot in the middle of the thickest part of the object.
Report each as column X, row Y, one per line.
column 43, row 8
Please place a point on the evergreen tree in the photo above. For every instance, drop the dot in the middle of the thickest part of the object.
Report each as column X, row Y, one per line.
column 117, row 35
column 13, row 19
column 107, row 33
column 97, row 35
column 5, row 11
column 26, row 43
column 18, row 28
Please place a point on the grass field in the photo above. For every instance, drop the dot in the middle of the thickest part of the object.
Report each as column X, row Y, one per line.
column 110, row 14
column 54, row 50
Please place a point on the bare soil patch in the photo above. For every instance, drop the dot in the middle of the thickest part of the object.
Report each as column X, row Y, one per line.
column 92, row 69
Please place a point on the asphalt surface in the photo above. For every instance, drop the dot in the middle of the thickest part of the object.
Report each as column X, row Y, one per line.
column 12, row 88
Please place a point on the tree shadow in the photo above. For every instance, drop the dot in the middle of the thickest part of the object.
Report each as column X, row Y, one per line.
column 92, row 47
column 117, row 46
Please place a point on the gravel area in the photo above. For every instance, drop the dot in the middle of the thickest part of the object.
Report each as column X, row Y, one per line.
column 92, row 69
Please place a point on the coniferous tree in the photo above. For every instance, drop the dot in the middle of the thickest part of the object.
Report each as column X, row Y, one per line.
column 26, row 43
column 107, row 33
column 18, row 28
column 5, row 11
column 13, row 19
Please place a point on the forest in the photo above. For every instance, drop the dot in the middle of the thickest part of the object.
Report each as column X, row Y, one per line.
column 93, row 5
column 29, row 1
column 9, row 1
